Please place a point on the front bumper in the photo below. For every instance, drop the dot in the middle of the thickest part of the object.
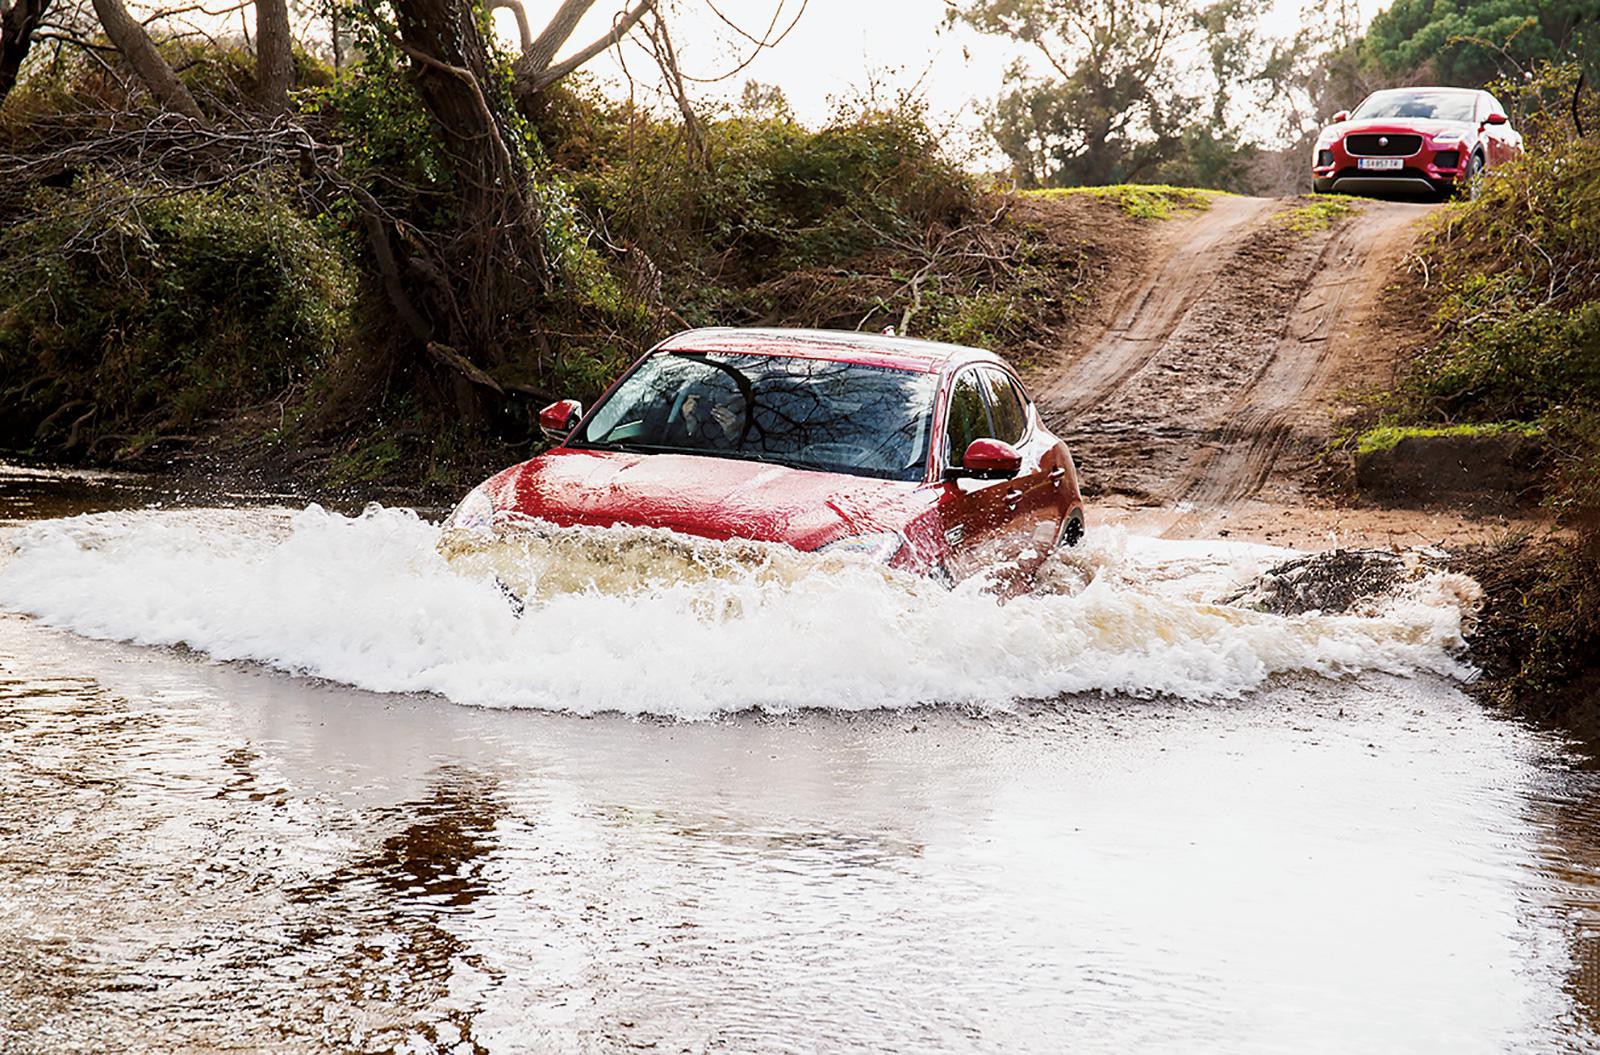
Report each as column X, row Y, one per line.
column 1434, row 169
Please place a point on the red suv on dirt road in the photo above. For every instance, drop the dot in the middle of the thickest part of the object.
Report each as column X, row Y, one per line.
column 1414, row 141
column 927, row 457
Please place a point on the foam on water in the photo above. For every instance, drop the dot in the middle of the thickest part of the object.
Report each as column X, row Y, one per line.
column 368, row 601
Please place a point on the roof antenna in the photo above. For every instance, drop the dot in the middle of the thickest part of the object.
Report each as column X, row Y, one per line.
column 888, row 331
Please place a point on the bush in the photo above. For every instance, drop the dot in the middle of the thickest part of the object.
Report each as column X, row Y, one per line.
column 747, row 197
column 133, row 311
column 1514, row 284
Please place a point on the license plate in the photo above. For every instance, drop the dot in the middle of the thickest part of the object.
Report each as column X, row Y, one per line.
column 1382, row 164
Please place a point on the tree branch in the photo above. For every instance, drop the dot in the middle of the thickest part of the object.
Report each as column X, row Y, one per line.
column 532, row 81
column 524, row 34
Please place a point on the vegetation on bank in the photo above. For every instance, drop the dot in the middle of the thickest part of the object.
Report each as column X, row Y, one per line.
column 1512, row 282
column 293, row 292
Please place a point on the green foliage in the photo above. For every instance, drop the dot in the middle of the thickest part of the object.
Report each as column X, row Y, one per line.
column 1317, row 214
column 165, row 309
column 1385, row 437
column 1517, row 307
column 1114, row 111
column 763, row 194
column 1471, row 42
column 1142, row 201
column 1515, row 291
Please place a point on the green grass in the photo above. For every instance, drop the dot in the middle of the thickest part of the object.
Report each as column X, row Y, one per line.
column 1316, row 214
column 1142, row 201
column 1384, row 437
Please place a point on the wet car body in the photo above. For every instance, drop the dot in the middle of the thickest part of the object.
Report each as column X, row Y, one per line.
column 1431, row 141
column 1010, row 496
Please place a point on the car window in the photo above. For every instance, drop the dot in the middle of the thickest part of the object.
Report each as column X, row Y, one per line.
column 968, row 420
column 807, row 413
column 1433, row 104
column 1493, row 106
column 1005, row 405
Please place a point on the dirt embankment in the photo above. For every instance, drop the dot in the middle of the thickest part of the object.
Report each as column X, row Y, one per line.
column 1204, row 401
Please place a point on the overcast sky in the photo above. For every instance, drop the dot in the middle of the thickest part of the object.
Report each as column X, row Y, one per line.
column 838, row 49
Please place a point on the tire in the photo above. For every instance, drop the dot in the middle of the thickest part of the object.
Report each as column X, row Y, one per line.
column 1472, row 182
column 517, row 604
column 1071, row 531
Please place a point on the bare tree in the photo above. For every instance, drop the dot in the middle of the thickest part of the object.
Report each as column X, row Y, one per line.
column 18, row 20
column 274, row 57
column 127, row 34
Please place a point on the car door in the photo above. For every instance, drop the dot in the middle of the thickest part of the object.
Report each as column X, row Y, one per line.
column 1031, row 504
column 1497, row 139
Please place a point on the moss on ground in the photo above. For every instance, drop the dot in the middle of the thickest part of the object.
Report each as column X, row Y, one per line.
column 1385, row 437
column 1142, row 201
column 1317, row 214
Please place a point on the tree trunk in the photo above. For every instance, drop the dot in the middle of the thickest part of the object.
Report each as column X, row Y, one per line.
column 17, row 23
column 129, row 37
column 274, row 57
column 482, row 284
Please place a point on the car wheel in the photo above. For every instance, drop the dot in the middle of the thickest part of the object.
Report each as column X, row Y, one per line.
column 518, row 605
column 1472, row 185
column 1071, row 531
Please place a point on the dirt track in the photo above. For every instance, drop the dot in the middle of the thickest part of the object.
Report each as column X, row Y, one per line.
column 1204, row 402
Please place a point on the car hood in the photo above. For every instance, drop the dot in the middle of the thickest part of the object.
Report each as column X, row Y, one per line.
column 1400, row 124
column 717, row 498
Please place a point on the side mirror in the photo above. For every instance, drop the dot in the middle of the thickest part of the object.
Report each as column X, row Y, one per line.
column 1339, row 118
column 988, row 460
column 559, row 419
column 1497, row 118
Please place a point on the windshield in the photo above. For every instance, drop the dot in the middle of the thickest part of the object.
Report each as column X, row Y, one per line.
column 1432, row 105
column 806, row 413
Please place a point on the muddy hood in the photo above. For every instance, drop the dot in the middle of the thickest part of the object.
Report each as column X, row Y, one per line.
column 717, row 498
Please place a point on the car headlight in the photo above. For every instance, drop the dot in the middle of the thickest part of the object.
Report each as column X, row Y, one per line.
column 474, row 514
column 1447, row 137
column 1326, row 140
column 878, row 546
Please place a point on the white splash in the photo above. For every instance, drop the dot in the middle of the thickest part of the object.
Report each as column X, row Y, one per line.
column 368, row 601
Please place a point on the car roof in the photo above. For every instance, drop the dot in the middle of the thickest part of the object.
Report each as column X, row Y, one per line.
column 1425, row 88
column 849, row 346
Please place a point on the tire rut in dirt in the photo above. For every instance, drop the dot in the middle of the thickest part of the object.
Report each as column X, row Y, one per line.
column 1179, row 403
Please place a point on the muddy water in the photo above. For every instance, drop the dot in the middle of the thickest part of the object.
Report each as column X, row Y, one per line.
column 332, row 802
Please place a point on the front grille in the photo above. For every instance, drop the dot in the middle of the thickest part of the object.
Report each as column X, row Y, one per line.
column 1399, row 145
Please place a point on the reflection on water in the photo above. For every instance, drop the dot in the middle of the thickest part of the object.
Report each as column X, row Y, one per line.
column 197, row 857
column 1567, row 814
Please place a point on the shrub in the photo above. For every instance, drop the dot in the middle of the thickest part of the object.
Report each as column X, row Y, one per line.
column 154, row 311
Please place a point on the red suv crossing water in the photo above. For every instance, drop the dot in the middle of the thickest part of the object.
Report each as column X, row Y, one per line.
column 928, row 457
